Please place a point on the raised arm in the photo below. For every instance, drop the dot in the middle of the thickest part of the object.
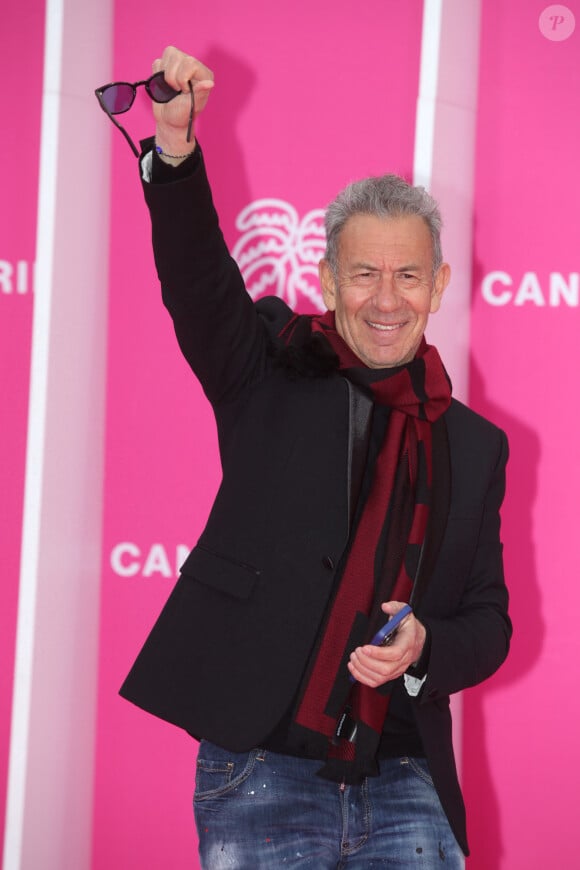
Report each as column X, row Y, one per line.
column 215, row 321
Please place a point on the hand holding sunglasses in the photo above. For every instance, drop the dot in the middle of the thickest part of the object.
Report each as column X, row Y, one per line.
column 179, row 68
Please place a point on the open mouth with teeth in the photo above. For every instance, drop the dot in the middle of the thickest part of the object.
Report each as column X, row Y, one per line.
column 384, row 327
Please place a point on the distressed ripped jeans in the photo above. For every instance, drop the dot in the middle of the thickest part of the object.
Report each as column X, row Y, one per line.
column 256, row 810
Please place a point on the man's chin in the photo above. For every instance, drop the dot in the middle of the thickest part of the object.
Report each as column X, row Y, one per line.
column 388, row 359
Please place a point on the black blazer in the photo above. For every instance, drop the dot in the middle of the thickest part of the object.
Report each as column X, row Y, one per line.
column 226, row 656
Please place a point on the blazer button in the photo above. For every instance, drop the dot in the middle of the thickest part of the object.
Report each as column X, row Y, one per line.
column 328, row 562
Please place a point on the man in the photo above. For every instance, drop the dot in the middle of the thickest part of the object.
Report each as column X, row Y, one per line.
column 352, row 485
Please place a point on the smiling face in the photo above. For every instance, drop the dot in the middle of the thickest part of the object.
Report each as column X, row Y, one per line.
column 385, row 289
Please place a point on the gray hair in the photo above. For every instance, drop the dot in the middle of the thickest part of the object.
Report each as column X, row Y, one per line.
column 385, row 196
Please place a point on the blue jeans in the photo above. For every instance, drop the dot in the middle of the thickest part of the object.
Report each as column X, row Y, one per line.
column 259, row 809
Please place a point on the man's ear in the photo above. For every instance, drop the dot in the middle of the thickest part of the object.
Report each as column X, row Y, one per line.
column 328, row 284
column 441, row 281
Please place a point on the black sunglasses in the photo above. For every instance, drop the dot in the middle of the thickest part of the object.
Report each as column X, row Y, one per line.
column 118, row 97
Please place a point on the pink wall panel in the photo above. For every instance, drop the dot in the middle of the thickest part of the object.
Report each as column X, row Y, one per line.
column 21, row 54
column 308, row 96
column 521, row 744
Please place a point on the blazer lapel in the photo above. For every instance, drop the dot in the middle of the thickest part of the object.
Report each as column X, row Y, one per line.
column 360, row 407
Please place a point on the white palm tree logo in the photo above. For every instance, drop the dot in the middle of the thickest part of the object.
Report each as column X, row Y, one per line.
column 278, row 254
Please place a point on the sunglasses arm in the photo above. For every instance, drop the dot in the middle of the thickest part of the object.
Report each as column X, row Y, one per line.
column 118, row 126
column 126, row 135
column 191, row 112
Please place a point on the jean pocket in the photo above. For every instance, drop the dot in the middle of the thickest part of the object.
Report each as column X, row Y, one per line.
column 219, row 771
column 419, row 767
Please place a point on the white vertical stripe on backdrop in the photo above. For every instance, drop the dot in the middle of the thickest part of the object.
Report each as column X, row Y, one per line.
column 426, row 101
column 28, row 585
column 444, row 161
column 50, row 779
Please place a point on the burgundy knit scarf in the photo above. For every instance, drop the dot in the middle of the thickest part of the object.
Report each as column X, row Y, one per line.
column 381, row 559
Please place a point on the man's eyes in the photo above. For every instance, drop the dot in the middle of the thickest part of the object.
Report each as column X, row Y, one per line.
column 367, row 276
column 408, row 278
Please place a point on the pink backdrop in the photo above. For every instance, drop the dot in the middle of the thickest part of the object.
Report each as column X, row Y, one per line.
column 525, row 356
column 309, row 96
column 18, row 148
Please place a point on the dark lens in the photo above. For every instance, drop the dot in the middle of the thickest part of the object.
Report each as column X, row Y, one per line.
column 159, row 90
column 118, row 98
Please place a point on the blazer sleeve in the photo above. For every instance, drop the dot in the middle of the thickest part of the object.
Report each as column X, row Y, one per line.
column 471, row 643
column 218, row 329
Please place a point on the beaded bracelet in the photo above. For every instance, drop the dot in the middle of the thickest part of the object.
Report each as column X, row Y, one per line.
column 173, row 156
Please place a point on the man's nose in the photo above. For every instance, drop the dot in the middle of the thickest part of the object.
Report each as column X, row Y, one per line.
column 386, row 297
